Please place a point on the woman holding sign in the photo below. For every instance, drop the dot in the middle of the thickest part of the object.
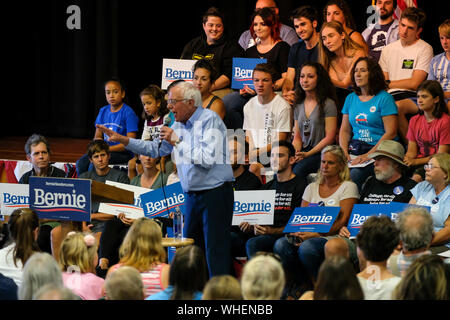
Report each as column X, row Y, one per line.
column 305, row 250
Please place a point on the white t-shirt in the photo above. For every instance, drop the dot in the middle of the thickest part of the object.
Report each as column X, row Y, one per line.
column 265, row 120
column 400, row 62
column 7, row 267
column 348, row 189
column 378, row 289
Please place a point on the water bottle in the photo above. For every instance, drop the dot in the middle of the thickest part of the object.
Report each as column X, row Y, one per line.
column 177, row 224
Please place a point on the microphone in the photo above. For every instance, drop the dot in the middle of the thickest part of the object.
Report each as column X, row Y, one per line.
column 165, row 124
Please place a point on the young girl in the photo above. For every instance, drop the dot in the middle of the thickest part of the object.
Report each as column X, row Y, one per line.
column 78, row 259
column 428, row 131
column 315, row 118
column 142, row 249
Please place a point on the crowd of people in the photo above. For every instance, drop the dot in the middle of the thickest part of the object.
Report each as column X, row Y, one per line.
column 340, row 117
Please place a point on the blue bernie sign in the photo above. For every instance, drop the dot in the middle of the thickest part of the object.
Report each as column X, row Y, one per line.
column 243, row 72
column 157, row 202
column 61, row 198
column 312, row 219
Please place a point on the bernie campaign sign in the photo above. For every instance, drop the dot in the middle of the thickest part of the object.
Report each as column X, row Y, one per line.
column 243, row 72
column 312, row 219
column 176, row 69
column 13, row 196
column 158, row 202
column 61, row 198
column 254, row 207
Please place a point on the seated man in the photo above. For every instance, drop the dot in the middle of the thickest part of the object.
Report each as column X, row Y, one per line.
column 405, row 64
column 267, row 117
column 289, row 191
column 38, row 153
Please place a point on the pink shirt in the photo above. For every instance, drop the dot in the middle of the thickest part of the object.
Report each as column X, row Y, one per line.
column 85, row 285
column 429, row 135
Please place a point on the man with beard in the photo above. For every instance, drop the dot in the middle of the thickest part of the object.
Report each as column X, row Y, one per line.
column 383, row 31
column 390, row 182
column 305, row 21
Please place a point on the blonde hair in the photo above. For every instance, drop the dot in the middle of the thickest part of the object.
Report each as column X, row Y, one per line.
column 444, row 28
column 223, row 287
column 444, row 162
column 344, row 173
column 78, row 250
column 350, row 46
column 142, row 245
column 262, row 279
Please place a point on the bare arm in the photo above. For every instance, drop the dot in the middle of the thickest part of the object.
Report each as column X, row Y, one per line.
column 413, row 83
column 345, row 134
column 288, row 86
column 342, row 219
column 443, row 235
column 220, row 83
column 218, row 107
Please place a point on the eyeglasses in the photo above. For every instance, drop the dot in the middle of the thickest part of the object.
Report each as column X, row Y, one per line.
column 173, row 101
column 430, row 167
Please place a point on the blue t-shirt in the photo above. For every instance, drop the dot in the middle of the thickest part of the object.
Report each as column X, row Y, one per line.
column 165, row 295
column 123, row 121
column 425, row 195
column 366, row 117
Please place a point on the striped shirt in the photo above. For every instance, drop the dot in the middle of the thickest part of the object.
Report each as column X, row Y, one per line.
column 440, row 71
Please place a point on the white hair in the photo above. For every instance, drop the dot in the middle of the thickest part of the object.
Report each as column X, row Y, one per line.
column 189, row 91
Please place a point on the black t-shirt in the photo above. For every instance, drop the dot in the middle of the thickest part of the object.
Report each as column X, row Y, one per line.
column 298, row 55
column 246, row 181
column 377, row 40
column 53, row 172
column 288, row 197
column 277, row 56
column 378, row 192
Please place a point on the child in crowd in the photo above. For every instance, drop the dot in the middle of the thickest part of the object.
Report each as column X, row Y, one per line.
column 78, row 259
column 224, row 287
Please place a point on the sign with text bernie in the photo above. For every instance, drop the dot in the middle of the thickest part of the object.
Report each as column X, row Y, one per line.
column 176, row 69
column 254, row 207
column 61, row 198
column 13, row 196
column 159, row 202
column 243, row 72
column 312, row 219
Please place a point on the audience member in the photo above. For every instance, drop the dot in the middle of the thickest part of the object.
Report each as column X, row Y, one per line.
column 78, row 259
column 440, row 66
column 428, row 278
column 428, row 131
column 54, row 292
column 416, row 231
column 222, row 287
column 336, row 281
column 215, row 45
column 369, row 117
column 204, row 77
column 265, row 27
column 262, row 278
column 39, row 270
column 289, row 190
column 315, row 118
column 339, row 10
column 143, row 250
column 119, row 117
column 376, row 241
column 405, row 64
column 287, row 34
column 305, row 21
column 243, row 178
column 188, row 276
column 124, row 284
column 24, row 228
column 8, row 288
column 267, row 117
column 385, row 29
column 303, row 252
column 434, row 192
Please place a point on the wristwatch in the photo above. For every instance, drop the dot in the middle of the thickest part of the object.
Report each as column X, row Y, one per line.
column 178, row 142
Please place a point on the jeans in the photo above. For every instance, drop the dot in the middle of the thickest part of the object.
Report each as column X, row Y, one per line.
column 307, row 166
column 234, row 105
column 263, row 242
column 360, row 175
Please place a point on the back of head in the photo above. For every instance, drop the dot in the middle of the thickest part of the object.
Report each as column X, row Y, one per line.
column 222, row 287
column 78, row 252
column 22, row 225
column 40, row 269
column 416, row 228
column 188, row 272
column 337, row 281
column 34, row 140
column 97, row 146
column 53, row 292
column 125, row 283
column 262, row 279
column 377, row 238
column 426, row 279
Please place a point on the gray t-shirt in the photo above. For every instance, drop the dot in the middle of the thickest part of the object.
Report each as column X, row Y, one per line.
column 312, row 129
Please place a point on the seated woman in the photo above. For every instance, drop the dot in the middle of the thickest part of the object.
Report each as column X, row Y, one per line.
column 305, row 250
column 434, row 192
column 338, row 54
column 339, row 10
column 315, row 118
column 369, row 116
column 143, row 250
column 428, row 131
column 204, row 77
column 116, row 228
column 265, row 29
